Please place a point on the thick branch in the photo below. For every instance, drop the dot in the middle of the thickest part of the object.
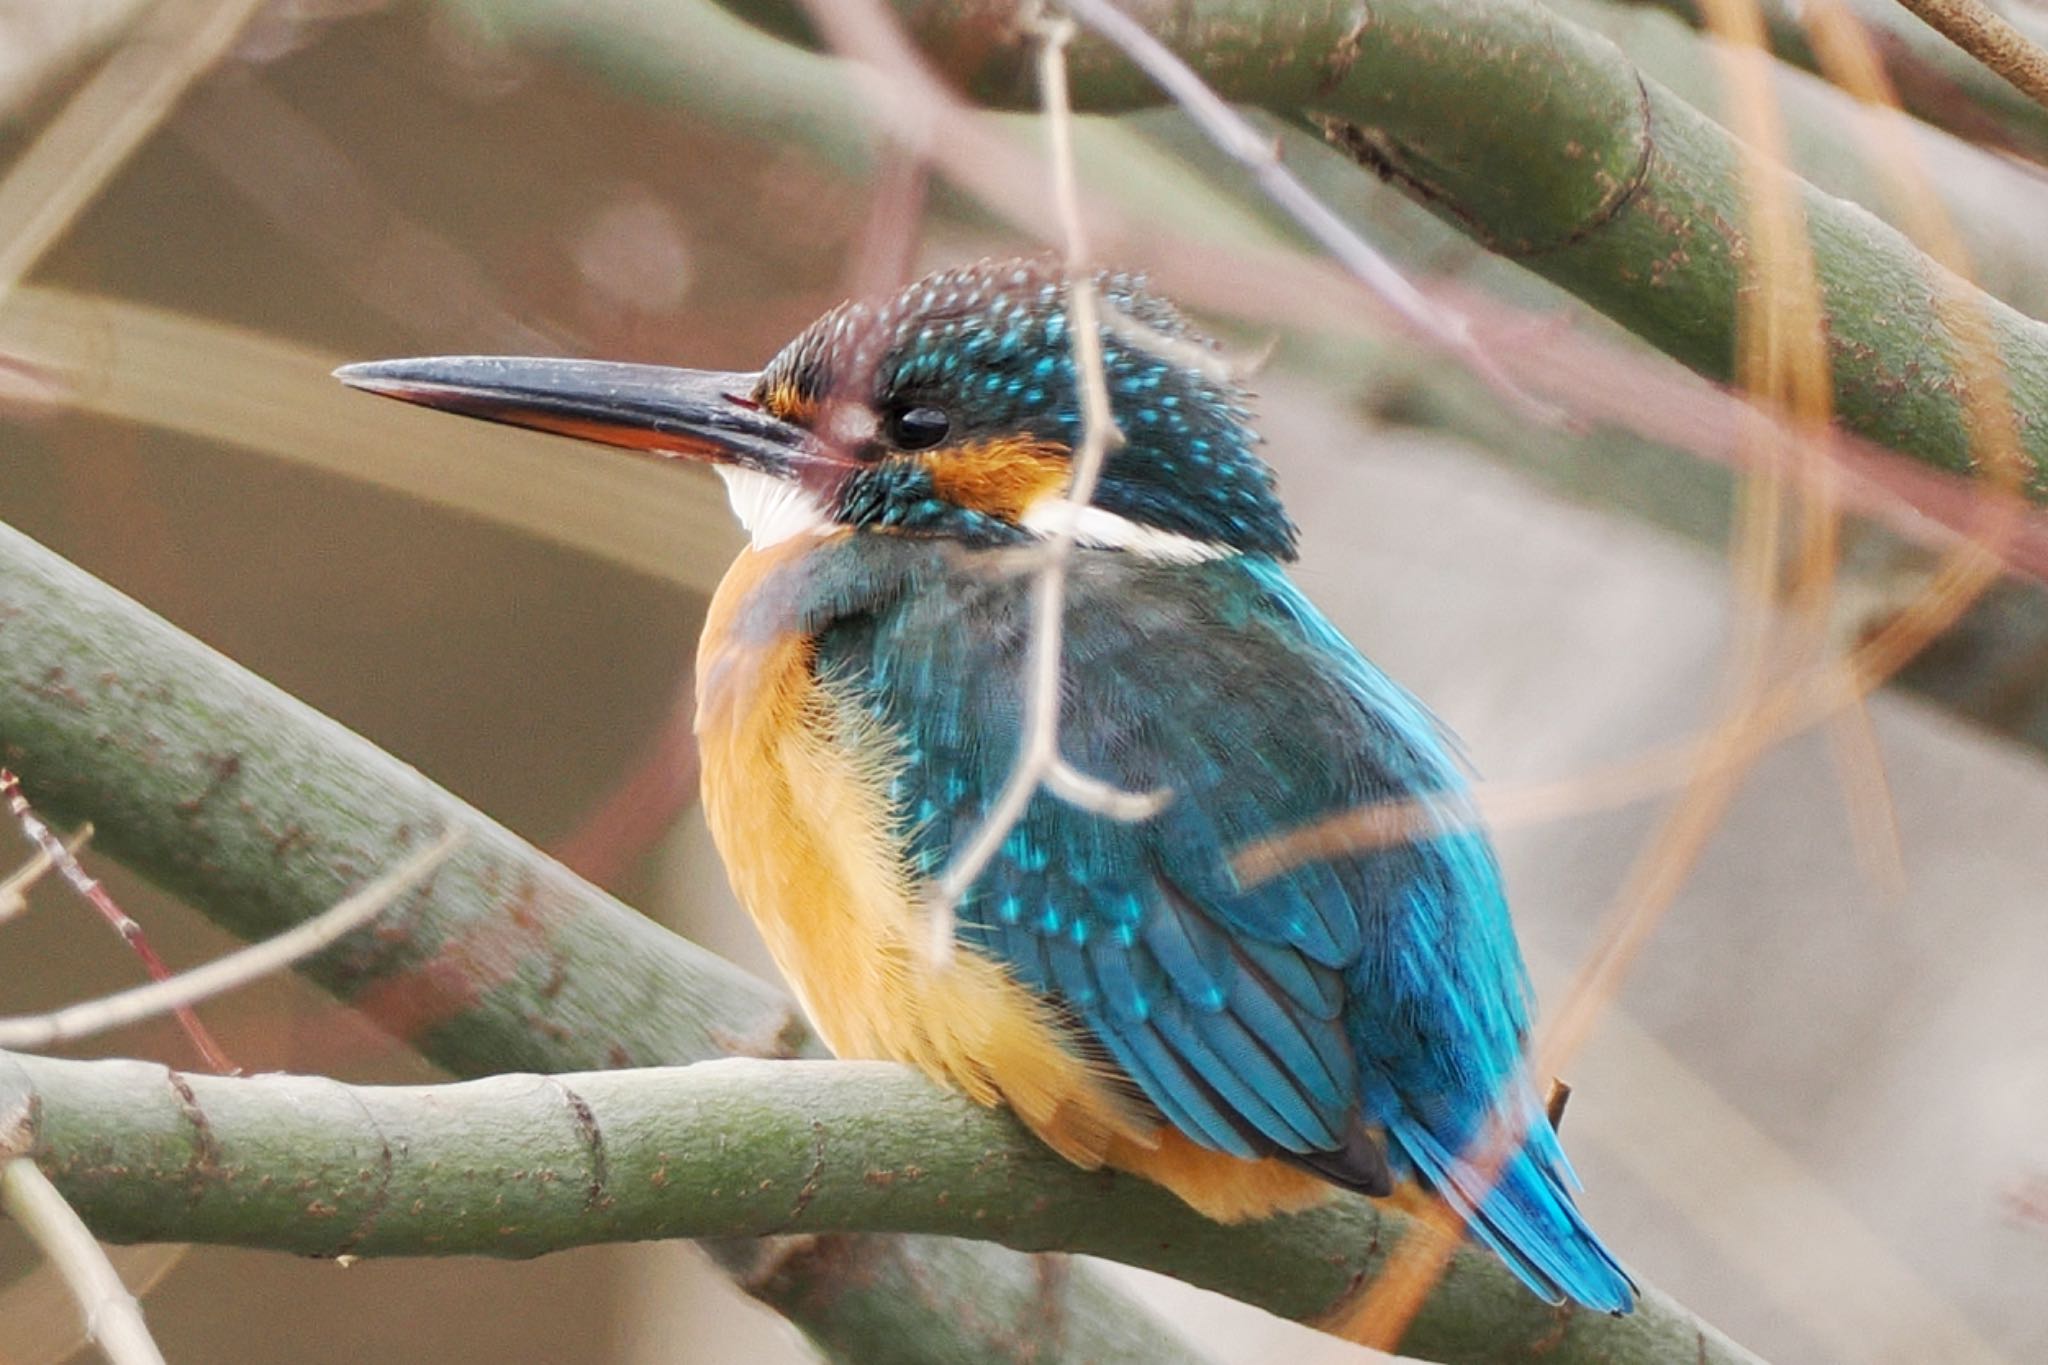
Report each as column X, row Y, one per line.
column 1991, row 38
column 1936, row 80
column 519, row 1165
column 262, row 813
column 1538, row 139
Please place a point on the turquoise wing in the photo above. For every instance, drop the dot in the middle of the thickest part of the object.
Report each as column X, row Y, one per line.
column 1373, row 998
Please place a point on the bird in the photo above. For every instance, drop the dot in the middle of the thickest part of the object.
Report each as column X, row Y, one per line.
column 1251, row 1045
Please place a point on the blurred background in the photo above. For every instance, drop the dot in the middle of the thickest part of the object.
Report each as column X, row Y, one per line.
column 1819, row 1113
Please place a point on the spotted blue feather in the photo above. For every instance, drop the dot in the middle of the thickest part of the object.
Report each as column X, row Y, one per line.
column 1379, row 990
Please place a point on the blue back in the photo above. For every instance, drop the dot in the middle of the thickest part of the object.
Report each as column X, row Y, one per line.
column 1376, row 992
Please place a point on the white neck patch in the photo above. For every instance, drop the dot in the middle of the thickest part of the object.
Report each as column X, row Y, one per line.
column 1106, row 530
column 773, row 510
column 776, row 510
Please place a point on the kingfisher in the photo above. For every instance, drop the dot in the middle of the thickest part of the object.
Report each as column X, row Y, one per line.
column 862, row 693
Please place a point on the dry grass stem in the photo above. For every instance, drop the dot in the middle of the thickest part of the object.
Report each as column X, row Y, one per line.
column 1782, row 361
column 100, row 127
column 44, row 43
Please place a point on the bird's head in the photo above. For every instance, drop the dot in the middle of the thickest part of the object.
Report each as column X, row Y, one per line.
column 950, row 409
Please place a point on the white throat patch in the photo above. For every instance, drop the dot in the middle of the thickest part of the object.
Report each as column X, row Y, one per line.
column 1103, row 529
column 773, row 510
column 776, row 510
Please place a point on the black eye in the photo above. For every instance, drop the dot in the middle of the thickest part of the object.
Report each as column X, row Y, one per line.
column 917, row 428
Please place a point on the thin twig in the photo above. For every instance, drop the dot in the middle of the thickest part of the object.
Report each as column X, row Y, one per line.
column 1762, row 719
column 237, row 968
column 1236, row 138
column 640, row 809
column 1189, row 355
column 47, row 43
column 113, row 1318
column 1039, row 762
column 1782, row 361
column 1599, row 380
column 97, row 896
column 1982, row 32
column 886, row 256
column 16, row 885
column 103, row 124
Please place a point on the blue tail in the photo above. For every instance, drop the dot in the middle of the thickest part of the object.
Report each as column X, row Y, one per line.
column 1527, row 1218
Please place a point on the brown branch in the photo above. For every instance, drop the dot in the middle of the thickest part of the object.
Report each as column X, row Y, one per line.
column 1985, row 34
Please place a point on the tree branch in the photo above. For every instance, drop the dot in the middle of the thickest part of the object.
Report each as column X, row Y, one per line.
column 1986, row 34
column 262, row 813
column 1541, row 141
column 520, row 1165
column 1936, row 80
column 113, row 1318
column 188, row 988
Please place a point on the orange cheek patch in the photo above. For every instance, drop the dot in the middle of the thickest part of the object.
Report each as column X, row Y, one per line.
column 784, row 402
column 1001, row 477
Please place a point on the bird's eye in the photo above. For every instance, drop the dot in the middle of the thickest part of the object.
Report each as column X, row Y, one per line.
column 917, row 428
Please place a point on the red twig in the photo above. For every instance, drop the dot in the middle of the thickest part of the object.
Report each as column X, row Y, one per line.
column 889, row 240
column 641, row 807
column 85, row 884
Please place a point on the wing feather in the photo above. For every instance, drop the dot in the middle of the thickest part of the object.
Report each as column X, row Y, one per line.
column 1289, row 1018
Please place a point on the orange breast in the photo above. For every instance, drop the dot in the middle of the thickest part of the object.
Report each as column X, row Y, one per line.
column 795, row 783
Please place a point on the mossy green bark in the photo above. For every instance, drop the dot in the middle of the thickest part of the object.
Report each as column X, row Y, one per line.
column 1936, row 80
column 261, row 812
column 1537, row 138
column 520, row 1165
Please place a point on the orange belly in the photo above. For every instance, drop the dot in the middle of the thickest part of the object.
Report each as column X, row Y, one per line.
column 794, row 791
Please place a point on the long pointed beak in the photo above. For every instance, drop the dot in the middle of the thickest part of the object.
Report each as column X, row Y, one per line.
column 682, row 414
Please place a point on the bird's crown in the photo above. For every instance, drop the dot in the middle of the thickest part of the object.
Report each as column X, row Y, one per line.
column 949, row 409
column 955, row 404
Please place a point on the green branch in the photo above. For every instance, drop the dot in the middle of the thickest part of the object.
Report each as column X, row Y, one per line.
column 1541, row 141
column 262, row 813
column 1936, row 80
column 520, row 1165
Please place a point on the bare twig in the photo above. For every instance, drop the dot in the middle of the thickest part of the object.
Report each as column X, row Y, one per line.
column 887, row 252
column 1039, row 762
column 1783, row 361
column 1982, row 32
column 292, row 173
column 101, row 126
column 237, row 968
column 112, row 1316
column 16, row 885
column 88, row 887
column 622, row 825
column 45, row 43
column 37, row 1320
column 1189, row 355
column 1236, row 138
